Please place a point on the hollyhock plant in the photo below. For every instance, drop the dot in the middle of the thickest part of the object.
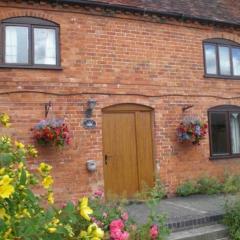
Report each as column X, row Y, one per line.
column 192, row 129
column 51, row 132
column 154, row 232
column 117, row 230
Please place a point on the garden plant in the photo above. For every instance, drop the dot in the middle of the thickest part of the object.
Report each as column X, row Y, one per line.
column 28, row 210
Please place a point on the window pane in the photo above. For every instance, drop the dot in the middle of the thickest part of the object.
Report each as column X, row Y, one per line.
column 210, row 58
column 235, row 132
column 236, row 61
column 224, row 61
column 44, row 46
column 219, row 133
column 16, row 44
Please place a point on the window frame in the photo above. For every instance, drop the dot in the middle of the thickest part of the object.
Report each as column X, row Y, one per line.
column 227, row 110
column 220, row 43
column 30, row 23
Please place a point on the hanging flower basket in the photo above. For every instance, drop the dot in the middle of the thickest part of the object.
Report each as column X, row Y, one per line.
column 51, row 132
column 192, row 129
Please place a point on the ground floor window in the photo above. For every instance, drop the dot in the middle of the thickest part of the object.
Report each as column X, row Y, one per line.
column 224, row 131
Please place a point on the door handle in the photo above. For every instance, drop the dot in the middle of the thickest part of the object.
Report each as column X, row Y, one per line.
column 106, row 158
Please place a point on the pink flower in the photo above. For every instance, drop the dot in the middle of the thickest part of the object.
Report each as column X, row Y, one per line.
column 154, row 232
column 116, row 224
column 125, row 216
column 116, row 230
column 117, row 234
column 125, row 236
column 98, row 193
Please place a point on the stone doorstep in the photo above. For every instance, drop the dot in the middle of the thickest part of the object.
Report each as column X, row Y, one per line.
column 212, row 232
column 180, row 224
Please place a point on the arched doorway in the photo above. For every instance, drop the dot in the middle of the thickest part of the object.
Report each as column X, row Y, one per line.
column 127, row 149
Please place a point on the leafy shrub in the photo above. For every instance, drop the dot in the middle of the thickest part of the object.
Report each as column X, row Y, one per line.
column 231, row 184
column 155, row 227
column 209, row 185
column 157, row 192
column 188, row 188
column 232, row 219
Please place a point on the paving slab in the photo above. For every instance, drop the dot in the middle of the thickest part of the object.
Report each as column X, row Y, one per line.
column 183, row 208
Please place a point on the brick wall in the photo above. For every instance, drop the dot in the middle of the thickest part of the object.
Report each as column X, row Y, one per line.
column 118, row 59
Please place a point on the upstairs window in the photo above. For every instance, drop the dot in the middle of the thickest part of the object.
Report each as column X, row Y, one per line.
column 222, row 58
column 30, row 42
column 224, row 131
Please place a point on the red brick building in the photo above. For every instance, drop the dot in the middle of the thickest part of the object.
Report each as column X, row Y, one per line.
column 143, row 62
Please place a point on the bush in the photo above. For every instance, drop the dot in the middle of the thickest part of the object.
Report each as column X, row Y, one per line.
column 157, row 192
column 188, row 188
column 231, row 184
column 207, row 185
column 232, row 219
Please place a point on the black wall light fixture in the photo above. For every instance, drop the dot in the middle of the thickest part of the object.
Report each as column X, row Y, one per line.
column 88, row 122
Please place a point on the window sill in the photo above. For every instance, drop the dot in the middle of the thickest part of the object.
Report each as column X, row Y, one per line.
column 47, row 67
column 222, row 77
column 222, row 157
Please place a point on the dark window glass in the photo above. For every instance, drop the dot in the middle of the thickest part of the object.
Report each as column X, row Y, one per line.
column 224, row 129
column 219, row 133
column 222, row 58
column 210, row 59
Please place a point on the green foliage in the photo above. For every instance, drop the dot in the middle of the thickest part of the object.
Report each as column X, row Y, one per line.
column 153, row 219
column 231, row 184
column 232, row 219
column 158, row 192
column 209, row 185
column 188, row 188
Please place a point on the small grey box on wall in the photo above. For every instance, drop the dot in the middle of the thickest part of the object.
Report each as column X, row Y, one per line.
column 91, row 165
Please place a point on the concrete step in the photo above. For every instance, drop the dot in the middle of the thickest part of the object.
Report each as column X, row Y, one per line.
column 212, row 232
column 191, row 222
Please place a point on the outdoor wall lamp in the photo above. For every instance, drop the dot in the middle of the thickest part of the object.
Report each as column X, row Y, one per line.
column 88, row 122
column 91, row 105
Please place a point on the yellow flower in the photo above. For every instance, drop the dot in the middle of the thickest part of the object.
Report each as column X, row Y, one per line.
column 2, row 170
column 44, row 168
column 52, row 230
column 50, row 198
column 47, row 182
column 95, row 232
column 85, row 210
column 7, row 233
column 5, row 119
column 83, row 234
column 3, row 213
column 6, row 140
column 32, row 151
column 26, row 213
column 6, row 191
column 5, row 180
column 55, row 221
column 19, row 145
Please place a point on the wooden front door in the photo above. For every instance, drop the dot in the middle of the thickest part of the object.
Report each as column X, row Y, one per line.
column 128, row 149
